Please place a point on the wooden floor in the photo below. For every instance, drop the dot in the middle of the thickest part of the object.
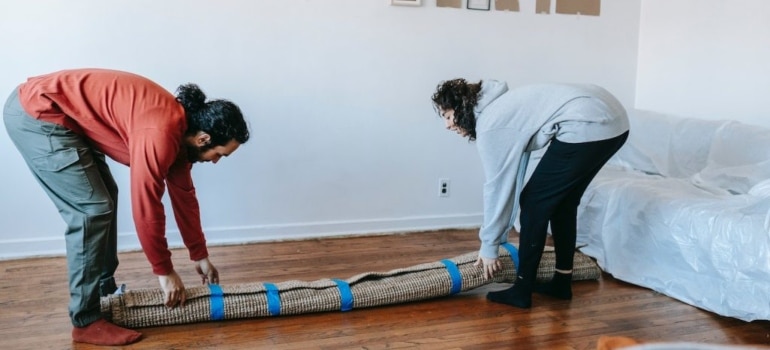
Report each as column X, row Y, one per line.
column 33, row 305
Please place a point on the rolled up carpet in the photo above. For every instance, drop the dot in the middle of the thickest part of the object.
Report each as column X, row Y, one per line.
column 145, row 308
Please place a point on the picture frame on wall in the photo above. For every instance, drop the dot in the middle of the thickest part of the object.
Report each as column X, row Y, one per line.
column 482, row 5
column 406, row 2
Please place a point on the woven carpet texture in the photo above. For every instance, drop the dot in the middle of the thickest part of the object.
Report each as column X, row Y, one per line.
column 145, row 308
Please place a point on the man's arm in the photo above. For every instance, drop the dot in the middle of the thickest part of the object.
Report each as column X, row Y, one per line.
column 186, row 209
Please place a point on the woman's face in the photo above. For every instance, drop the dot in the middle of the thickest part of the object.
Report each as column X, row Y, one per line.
column 449, row 121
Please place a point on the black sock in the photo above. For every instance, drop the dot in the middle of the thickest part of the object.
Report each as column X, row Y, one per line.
column 559, row 287
column 520, row 295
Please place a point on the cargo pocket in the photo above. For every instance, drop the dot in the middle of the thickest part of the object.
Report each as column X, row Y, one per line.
column 63, row 173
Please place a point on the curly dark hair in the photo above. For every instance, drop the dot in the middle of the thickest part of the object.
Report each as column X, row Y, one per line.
column 462, row 97
column 221, row 119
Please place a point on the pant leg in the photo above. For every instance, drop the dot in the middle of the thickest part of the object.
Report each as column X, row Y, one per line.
column 64, row 165
column 107, row 283
column 564, row 219
column 554, row 190
column 564, row 231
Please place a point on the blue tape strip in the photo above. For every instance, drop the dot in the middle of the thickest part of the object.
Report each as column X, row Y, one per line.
column 346, row 296
column 273, row 299
column 514, row 254
column 217, row 302
column 454, row 274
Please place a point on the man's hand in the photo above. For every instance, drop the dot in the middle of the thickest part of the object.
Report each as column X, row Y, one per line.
column 489, row 265
column 173, row 290
column 207, row 271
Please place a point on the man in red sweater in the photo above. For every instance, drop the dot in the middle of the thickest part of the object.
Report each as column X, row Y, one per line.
column 64, row 123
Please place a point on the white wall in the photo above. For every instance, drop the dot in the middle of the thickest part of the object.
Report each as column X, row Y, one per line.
column 337, row 92
column 706, row 58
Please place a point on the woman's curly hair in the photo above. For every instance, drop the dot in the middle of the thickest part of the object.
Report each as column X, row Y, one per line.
column 221, row 119
column 462, row 97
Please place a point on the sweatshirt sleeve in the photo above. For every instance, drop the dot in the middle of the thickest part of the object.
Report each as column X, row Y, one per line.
column 152, row 152
column 504, row 162
column 186, row 209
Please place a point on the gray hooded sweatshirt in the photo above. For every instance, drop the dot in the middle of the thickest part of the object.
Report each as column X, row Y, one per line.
column 512, row 123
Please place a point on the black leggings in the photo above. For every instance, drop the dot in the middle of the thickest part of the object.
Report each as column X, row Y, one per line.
column 552, row 195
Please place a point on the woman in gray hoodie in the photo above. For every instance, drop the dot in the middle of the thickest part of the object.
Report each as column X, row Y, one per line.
column 582, row 125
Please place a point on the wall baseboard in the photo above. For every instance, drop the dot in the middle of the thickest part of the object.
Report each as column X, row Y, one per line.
column 127, row 241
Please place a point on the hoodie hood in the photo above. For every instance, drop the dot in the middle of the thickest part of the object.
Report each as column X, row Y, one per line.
column 490, row 90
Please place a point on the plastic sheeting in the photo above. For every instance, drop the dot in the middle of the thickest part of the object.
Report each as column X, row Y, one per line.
column 684, row 209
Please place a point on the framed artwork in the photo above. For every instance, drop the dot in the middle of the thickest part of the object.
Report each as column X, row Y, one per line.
column 406, row 2
column 458, row 4
column 483, row 5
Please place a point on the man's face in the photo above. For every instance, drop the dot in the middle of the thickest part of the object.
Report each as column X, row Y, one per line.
column 207, row 153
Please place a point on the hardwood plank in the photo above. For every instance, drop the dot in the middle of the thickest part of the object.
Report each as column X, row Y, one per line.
column 34, row 297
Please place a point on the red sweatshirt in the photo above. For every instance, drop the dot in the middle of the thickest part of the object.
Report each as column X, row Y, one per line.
column 137, row 123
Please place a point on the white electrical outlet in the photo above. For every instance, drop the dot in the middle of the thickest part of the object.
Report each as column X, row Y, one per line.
column 443, row 187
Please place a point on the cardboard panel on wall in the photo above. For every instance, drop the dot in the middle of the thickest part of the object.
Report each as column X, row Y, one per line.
column 449, row 3
column 543, row 6
column 574, row 7
column 507, row 5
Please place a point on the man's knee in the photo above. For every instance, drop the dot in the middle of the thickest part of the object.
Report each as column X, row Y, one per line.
column 98, row 209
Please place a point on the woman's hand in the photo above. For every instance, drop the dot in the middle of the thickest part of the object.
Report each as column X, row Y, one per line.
column 207, row 271
column 489, row 265
column 173, row 290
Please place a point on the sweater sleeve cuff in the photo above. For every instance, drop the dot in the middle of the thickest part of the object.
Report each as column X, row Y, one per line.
column 198, row 250
column 199, row 254
column 489, row 251
column 163, row 268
